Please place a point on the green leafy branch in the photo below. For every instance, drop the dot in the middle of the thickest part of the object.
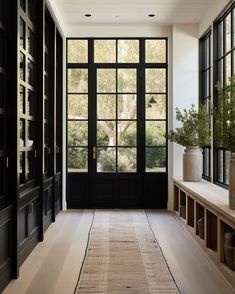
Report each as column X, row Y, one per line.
column 224, row 116
column 195, row 129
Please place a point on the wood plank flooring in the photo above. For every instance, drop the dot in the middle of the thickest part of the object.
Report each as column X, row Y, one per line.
column 53, row 266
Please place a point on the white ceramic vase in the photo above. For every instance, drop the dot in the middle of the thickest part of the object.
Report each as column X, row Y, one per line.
column 192, row 164
column 232, row 182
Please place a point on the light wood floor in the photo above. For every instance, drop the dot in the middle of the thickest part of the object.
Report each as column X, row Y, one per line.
column 53, row 266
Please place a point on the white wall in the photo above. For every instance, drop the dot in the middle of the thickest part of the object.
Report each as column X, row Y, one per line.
column 120, row 30
column 211, row 15
column 56, row 16
column 184, row 87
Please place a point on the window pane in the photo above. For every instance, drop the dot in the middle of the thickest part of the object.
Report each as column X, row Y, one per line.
column 128, row 51
column 233, row 65
column 22, row 4
column 106, row 133
column 155, row 133
column 30, row 141
column 127, row 80
column 220, row 71
column 228, row 32
column 155, row 80
column 22, row 33
column 77, row 80
column 77, row 106
column 228, row 67
column 233, row 28
column 207, row 83
column 106, row 106
column 77, row 160
column 220, row 37
column 31, row 42
column 155, row 51
column 77, row 133
column 127, row 160
column 106, row 159
column 105, row 51
column 31, row 9
column 220, row 166
column 127, row 106
column 207, row 53
column 106, row 80
column 127, row 133
column 22, row 132
column 78, row 51
column 155, row 159
column 30, row 72
column 30, row 103
column 22, row 66
column 155, row 106
column 227, row 161
column 206, row 162
column 22, row 100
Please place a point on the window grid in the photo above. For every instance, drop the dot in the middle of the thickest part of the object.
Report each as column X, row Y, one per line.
column 205, row 93
column 142, row 65
column 224, row 68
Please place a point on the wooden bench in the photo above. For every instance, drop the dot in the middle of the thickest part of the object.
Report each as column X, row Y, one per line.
column 208, row 202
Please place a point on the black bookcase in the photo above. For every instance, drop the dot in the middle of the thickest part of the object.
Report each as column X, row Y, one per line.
column 31, row 52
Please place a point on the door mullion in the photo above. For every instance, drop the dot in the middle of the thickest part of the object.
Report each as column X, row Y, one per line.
column 141, row 91
column 91, row 117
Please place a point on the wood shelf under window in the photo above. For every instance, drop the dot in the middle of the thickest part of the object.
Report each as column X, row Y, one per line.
column 208, row 218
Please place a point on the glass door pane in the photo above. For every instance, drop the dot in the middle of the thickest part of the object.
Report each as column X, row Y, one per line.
column 116, row 120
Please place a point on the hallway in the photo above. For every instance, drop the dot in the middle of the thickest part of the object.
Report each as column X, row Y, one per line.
column 54, row 265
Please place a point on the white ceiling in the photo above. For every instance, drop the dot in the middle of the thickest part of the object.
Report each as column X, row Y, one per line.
column 131, row 11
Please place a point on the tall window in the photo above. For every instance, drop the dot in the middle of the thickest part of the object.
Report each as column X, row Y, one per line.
column 205, row 92
column 224, row 67
column 117, row 93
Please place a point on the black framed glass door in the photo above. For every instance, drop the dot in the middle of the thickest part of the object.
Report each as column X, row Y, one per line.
column 117, row 101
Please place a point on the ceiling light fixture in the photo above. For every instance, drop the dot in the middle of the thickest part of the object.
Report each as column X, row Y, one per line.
column 151, row 15
column 87, row 15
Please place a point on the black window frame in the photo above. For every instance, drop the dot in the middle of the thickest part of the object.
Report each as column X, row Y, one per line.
column 220, row 155
column 205, row 97
column 143, row 66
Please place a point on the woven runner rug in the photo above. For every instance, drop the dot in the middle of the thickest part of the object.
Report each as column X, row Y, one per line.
column 123, row 256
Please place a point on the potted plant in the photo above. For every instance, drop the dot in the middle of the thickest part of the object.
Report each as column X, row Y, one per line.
column 194, row 134
column 224, row 129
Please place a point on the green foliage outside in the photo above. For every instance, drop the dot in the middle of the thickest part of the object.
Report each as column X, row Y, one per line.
column 224, row 116
column 195, row 129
